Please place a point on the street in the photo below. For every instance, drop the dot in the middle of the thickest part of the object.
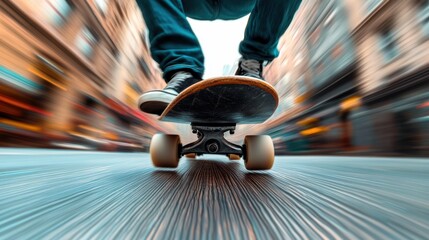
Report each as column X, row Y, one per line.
column 62, row 194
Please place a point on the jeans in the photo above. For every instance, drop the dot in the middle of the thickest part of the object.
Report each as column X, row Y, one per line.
column 175, row 47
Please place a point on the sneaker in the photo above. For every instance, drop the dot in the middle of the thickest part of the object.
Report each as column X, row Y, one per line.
column 154, row 102
column 250, row 68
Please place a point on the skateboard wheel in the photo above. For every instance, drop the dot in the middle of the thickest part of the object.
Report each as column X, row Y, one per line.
column 164, row 150
column 234, row 157
column 191, row 155
column 259, row 152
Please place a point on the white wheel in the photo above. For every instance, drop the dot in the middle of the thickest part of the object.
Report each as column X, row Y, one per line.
column 164, row 150
column 259, row 152
column 234, row 157
column 191, row 155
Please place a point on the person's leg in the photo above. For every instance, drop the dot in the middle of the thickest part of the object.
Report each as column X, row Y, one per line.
column 268, row 21
column 173, row 44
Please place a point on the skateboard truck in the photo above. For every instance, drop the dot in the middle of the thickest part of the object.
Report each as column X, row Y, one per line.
column 211, row 140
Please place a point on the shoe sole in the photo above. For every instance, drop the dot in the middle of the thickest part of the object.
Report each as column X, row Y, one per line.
column 154, row 102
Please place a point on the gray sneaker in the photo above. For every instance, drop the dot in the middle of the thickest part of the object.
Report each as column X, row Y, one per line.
column 250, row 68
column 154, row 102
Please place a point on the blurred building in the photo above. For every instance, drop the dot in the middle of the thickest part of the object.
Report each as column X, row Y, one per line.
column 70, row 74
column 353, row 76
column 289, row 75
column 393, row 50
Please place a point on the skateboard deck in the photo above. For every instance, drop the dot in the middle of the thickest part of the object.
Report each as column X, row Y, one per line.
column 223, row 100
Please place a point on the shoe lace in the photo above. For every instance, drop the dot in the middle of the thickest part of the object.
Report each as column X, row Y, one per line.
column 251, row 66
column 178, row 78
column 180, row 81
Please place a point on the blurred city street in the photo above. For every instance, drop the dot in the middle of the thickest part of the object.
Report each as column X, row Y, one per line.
column 54, row 194
column 350, row 131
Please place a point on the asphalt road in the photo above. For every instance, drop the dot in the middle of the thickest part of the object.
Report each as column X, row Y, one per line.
column 82, row 195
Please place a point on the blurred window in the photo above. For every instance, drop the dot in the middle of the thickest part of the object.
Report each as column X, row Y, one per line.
column 302, row 88
column 388, row 45
column 283, row 85
column 145, row 39
column 57, row 11
column 136, row 87
column 329, row 20
column 334, row 29
column 331, row 31
column 371, row 5
column 145, row 68
column 86, row 41
column 102, row 5
column 15, row 80
column 424, row 16
column 298, row 59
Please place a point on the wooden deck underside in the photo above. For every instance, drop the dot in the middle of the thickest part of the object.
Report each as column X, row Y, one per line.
column 223, row 100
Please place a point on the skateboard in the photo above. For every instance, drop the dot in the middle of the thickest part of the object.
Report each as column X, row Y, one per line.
column 215, row 106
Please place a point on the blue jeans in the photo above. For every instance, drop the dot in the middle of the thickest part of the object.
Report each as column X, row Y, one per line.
column 175, row 47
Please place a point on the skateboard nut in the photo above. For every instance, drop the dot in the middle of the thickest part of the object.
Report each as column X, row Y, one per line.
column 231, row 132
column 212, row 147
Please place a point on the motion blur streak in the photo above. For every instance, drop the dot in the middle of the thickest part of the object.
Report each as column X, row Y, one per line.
column 85, row 195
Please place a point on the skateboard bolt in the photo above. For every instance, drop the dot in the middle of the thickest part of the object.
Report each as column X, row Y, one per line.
column 213, row 147
column 194, row 131
column 231, row 132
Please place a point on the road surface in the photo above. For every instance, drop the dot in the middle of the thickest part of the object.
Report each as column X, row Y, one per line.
column 54, row 194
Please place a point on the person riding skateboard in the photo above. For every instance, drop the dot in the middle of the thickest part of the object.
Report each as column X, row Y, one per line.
column 176, row 49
